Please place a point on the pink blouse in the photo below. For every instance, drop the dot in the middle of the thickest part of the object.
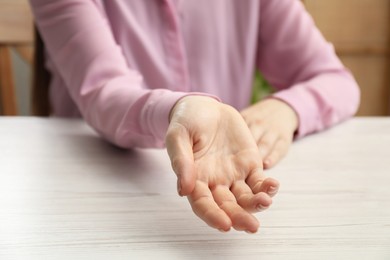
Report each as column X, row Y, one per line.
column 123, row 64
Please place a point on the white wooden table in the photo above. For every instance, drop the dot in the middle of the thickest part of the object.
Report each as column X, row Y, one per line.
column 66, row 194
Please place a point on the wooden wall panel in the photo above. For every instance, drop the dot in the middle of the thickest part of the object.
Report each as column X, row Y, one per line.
column 353, row 25
column 360, row 31
column 16, row 30
column 15, row 22
column 369, row 71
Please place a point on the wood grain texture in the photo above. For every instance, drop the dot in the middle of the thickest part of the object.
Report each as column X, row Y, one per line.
column 16, row 22
column 353, row 26
column 66, row 194
column 371, row 72
column 7, row 85
column 26, row 52
column 16, row 30
column 360, row 32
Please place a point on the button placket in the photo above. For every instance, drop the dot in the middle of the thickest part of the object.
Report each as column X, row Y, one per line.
column 175, row 47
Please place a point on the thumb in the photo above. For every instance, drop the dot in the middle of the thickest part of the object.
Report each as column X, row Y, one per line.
column 179, row 147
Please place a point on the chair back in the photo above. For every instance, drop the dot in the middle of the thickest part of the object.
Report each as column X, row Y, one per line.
column 16, row 31
column 41, row 80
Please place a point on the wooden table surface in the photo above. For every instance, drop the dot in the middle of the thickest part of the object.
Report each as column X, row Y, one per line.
column 66, row 194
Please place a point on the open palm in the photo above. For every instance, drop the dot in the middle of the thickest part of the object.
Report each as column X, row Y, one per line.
column 218, row 164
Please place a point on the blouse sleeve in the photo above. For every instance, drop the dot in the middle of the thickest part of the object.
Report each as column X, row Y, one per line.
column 107, row 92
column 295, row 58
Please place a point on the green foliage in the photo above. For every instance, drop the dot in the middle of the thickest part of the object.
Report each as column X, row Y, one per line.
column 261, row 88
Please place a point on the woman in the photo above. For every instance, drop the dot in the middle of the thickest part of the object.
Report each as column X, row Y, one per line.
column 179, row 73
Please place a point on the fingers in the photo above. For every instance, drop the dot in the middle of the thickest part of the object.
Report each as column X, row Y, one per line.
column 249, row 201
column 219, row 209
column 277, row 153
column 223, row 208
column 205, row 207
column 240, row 218
column 257, row 182
column 179, row 147
column 272, row 148
column 256, row 131
column 266, row 143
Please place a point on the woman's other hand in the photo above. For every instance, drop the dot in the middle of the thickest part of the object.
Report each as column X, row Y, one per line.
column 273, row 124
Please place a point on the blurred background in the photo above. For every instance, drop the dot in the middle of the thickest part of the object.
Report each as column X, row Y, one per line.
column 359, row 30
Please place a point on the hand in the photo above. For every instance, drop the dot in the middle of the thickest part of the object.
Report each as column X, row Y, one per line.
column 272, row 123
column 218, row 164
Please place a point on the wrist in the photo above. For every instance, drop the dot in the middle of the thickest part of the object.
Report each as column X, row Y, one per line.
column 287, row 110
column 185, row 101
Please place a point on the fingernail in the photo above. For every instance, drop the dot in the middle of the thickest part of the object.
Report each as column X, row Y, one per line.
column 261, row 207
column 272, row 190
column 250, row 232
column 223, row 231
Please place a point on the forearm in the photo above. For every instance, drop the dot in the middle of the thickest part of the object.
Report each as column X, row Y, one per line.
column 109, row 94
column 297, row 60
column 322, row 101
